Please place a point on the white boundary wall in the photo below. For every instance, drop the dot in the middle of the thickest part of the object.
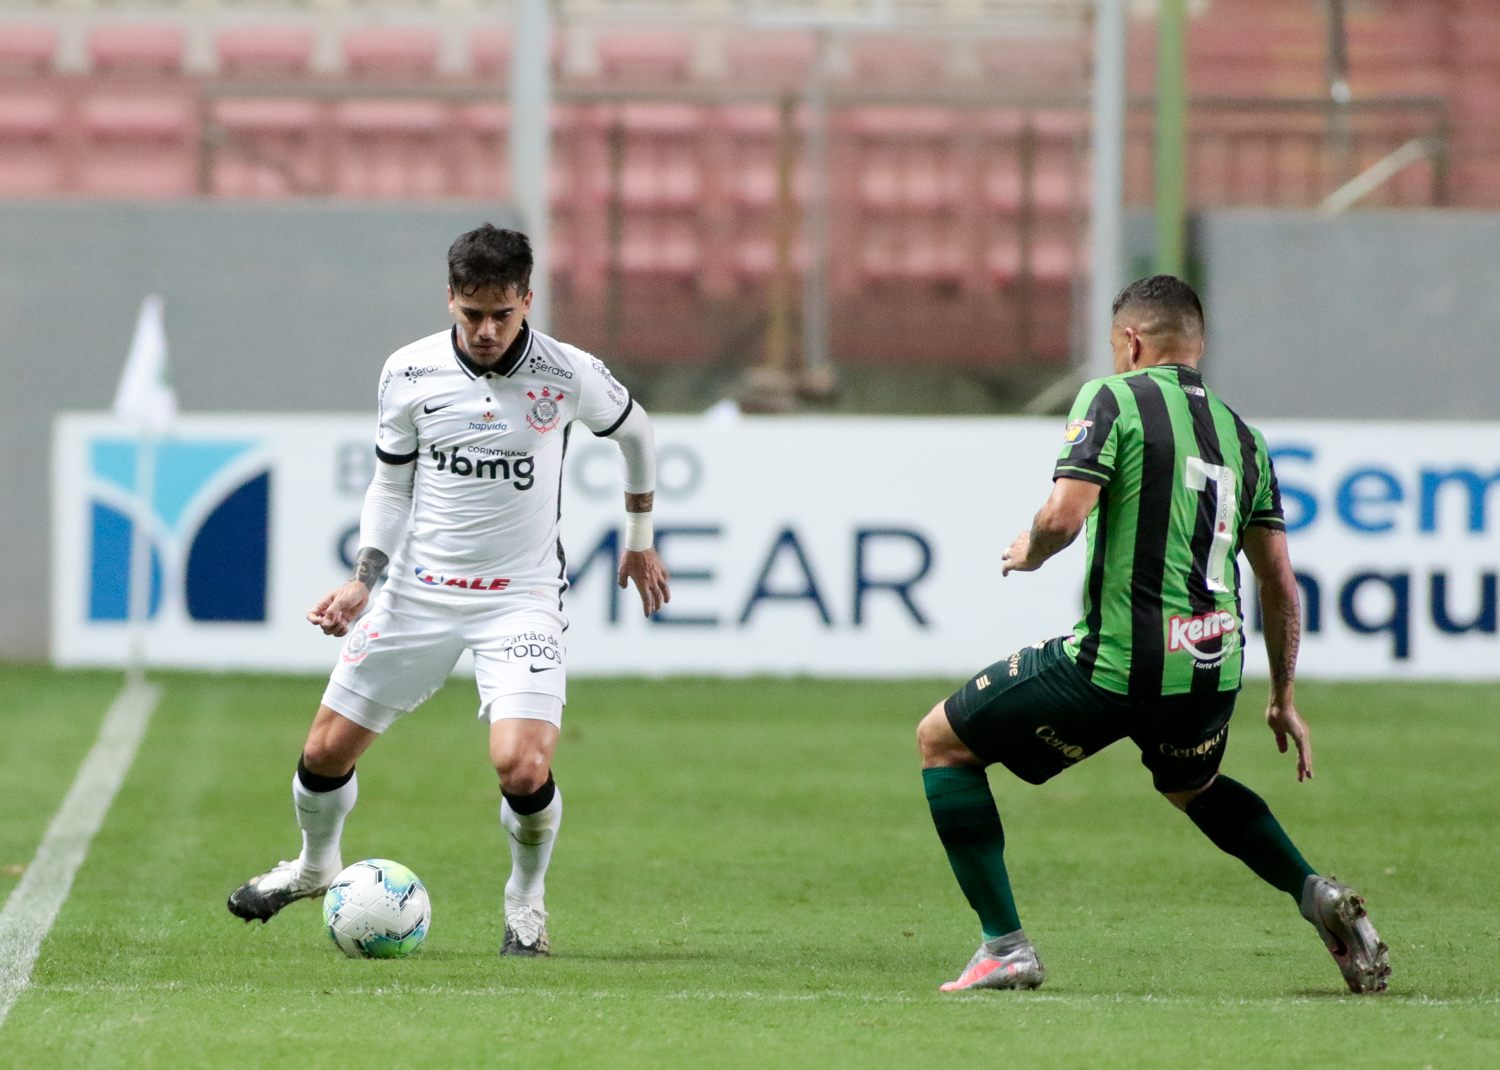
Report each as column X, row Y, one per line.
column 1378, row 511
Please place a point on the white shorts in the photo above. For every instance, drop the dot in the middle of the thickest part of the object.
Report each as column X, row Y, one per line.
column 401, row 651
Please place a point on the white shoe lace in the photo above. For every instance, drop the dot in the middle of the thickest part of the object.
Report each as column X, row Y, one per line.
column 527, row 922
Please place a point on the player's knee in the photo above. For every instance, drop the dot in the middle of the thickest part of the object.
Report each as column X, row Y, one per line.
column 322, row 755
column 936, row 742
column 522, row 771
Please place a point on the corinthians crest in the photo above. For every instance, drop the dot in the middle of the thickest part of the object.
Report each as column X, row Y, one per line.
column 545, row 410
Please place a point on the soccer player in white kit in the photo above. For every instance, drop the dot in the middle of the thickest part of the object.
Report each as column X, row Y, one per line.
column 473, row 426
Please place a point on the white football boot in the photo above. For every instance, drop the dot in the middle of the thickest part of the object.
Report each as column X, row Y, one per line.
column 525, row 931
column 1338, row 914
column 1015, row 966
column 260, row 898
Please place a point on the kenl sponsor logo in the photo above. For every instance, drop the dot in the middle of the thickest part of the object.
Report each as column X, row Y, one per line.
column 523, row 468
column 1185, row 633
column 435, row 579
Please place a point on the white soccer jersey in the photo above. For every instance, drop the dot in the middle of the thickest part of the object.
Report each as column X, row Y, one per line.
column 488, row 444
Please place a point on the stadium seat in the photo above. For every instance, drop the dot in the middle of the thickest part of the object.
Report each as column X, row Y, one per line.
column 755, row 258
column 782, row 60
column 265, row 51
column 271, row 151
column 660, row 247
column 1034, row 65
column 391, row 148
column 489, row 51
column 136, row 49
column 26, row 48
column 391, row 52
column 650, row 56
column 139, row 145
column 29, row 162
column 898, row 60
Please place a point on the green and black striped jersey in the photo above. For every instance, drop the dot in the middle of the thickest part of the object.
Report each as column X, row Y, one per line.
column 1182, row 479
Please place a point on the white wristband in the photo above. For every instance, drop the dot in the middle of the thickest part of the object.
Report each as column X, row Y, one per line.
column 639, row 533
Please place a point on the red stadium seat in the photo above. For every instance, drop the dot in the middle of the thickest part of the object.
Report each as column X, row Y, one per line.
column 26, row 48
column 139, row 145
column 136, row 49
column 392, row 52
column 898, row 60
column 489, row 51
column 656, row 56
column 28, row 158
column 265, row 51
column 660, row 247
column 1035, row 65
column 782, row 59
column 271, row 151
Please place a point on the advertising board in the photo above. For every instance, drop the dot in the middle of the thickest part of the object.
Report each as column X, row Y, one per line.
column 798, row 545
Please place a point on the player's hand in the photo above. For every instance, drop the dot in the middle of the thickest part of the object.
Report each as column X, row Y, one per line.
column 1286, row 721
column 650, row 575
column 1015, row 558
column 340, row 608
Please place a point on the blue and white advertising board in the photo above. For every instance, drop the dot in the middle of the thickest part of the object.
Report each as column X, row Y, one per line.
column 826, row 546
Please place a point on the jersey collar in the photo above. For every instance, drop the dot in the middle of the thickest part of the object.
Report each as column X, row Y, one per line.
column 508, row 362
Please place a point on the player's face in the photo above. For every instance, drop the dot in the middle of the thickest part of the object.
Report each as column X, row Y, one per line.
column 488, row 320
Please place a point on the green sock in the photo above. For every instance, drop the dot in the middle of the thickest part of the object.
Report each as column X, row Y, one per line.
column 969, row 826
column 1239, row 822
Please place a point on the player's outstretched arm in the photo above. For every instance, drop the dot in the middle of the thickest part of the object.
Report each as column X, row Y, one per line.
column 1057, row 524
column 387, row 504
column 1280, row 604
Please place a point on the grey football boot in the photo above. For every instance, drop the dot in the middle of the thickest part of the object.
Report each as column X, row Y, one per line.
column 1338, row 914
column 1006, row 962
column 525, row 932
column 262, row 898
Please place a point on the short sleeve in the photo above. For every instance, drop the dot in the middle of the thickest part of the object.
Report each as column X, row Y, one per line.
column 1091, row 440
column 1265, row 511
column 396, row 435
column 603, row 403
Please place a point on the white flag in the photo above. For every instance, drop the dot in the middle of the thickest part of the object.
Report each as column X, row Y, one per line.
column 145, row 397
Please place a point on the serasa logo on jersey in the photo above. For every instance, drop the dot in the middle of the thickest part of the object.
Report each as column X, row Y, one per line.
column 1184, row 633
column 478, row 583
column 545, row 411
column 522, row 469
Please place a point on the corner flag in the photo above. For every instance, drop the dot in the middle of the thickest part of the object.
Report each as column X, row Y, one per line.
column 145, row 396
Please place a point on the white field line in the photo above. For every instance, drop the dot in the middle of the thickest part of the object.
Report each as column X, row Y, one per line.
column 33, row 904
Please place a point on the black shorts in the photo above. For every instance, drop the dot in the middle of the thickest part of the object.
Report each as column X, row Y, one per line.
column 1037, row 714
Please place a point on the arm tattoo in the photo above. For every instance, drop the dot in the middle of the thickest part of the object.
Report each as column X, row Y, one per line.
column 370, row 566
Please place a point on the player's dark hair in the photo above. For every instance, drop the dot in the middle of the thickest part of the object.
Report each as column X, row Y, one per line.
column 490, row 256
column 1168, row 297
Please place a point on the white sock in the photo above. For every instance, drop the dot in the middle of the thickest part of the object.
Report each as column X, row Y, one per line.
column 321, row 815
column 531, row 839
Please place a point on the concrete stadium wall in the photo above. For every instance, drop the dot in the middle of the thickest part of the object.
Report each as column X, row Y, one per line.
column 269, row 307
column 1373, row 314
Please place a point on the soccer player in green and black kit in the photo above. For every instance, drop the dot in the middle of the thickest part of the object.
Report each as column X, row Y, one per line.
column 1173, row 485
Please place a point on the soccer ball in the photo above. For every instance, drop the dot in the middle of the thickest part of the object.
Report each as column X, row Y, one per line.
column 377, row 909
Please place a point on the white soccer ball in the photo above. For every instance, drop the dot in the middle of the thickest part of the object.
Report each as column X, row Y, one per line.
column 377, row 909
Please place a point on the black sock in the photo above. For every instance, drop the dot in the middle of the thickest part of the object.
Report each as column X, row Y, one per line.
column 317, row 782
column 1239, row 822
column 534, row 803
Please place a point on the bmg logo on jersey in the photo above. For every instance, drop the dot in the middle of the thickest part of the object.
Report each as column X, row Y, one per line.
column 522, row 469
column 210, row 513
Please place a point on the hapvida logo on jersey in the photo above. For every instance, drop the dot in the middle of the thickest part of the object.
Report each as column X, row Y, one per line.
column 1184, row 633
column 533, row 647
column 1077, row 431
column 521, row 469
column 478, row 583
column 546, row 411
column 488, row 422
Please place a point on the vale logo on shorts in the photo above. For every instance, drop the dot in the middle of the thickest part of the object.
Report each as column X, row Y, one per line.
column 209, row 528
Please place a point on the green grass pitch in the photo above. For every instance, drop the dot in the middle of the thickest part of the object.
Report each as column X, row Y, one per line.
column 747, row 877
